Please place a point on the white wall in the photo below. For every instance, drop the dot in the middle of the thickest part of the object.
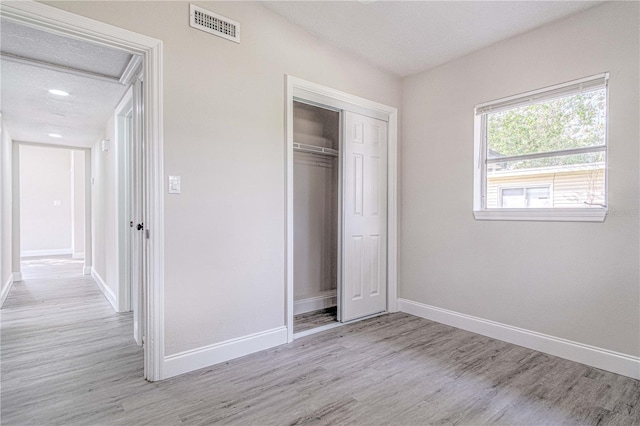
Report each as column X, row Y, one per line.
column 5, row 212
column 45, row 201
column 78, row 200
column 224, row 134
column 577, row 281
column 103, row 211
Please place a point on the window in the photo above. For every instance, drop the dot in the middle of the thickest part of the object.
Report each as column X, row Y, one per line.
column 527, row 144
column 520, row 197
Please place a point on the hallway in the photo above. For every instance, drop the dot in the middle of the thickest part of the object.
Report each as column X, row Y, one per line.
column 63, row 346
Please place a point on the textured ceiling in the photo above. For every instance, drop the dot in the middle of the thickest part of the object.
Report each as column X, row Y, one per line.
column 30, row 112
column 403, row 37
column 52, row 48
column 406, row 37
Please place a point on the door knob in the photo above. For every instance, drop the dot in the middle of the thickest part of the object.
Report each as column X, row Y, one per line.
column 140, row 226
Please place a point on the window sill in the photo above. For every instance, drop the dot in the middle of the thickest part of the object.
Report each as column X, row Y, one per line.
column 543, row 215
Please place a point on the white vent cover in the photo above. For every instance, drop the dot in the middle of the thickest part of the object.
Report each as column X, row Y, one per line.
column 215, row 24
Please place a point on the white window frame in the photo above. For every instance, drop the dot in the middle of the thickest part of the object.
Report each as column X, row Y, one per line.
column 480, row 211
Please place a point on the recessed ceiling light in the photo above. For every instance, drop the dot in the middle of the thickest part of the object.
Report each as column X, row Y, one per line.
column 54, row 135
column 58, row 92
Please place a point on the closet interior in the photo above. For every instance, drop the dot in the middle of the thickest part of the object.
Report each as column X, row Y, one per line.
column 316, row 137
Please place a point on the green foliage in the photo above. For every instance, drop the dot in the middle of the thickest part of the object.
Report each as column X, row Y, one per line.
column 569, row 122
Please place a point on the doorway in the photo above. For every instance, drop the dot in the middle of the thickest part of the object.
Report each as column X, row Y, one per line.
column 316, row 190
column 341, row 208
column 52, row 187
column 53, row 190
column 56, row 21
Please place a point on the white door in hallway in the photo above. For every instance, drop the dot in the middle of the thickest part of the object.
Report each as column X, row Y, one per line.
column 137, row 215
column 364, row 284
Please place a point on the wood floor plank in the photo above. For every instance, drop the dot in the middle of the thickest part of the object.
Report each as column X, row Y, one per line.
column 314, row 319
column 67, row 358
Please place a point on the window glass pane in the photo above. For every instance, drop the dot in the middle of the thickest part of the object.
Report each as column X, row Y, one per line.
column 571, row 181
column 538, row 197
column 513, row 192
column 574, row 121
column 513, row 202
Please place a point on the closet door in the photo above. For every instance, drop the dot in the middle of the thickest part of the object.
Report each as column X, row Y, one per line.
column 364, row 284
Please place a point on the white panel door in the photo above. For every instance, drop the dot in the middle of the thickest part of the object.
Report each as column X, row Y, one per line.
column 364, row 286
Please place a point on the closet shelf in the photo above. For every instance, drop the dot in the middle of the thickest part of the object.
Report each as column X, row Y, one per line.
column 314, row 149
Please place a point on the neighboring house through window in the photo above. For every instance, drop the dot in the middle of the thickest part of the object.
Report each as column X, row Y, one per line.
column 541, row 155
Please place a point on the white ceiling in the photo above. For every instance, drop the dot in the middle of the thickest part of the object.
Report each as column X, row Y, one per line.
column 33, row 62
column 30, row 112
column 52, row 48
column 403, row 37
column 406, row 37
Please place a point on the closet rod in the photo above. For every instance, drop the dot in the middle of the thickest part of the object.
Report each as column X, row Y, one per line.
column 314, row 149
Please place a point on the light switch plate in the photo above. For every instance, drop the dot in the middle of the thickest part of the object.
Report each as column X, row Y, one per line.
column 174, row 184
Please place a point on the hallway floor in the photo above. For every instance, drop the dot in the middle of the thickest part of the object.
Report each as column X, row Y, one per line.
column 68, row 358
column 65, row 352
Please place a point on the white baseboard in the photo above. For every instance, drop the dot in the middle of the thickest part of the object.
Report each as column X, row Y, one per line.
column 626, row 365
column 206, row 356
column 49, row 252
column 108, row 293
column 78, row 255
column 17, row 277
column 315, row 303
column 6, row 288
column 86, row 270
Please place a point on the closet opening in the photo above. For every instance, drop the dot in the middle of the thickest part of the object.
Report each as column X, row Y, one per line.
column 316, row 219
column 341, row 208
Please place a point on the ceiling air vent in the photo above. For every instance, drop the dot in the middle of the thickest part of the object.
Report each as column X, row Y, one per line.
column 215, row 24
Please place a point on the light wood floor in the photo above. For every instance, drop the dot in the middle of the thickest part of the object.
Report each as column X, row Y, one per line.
column 67, row 358
column 314, row 319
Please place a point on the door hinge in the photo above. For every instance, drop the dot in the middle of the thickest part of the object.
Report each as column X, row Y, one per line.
column 146, row 233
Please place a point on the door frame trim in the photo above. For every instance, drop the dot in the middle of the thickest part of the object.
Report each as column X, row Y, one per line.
column 58, row 21
column 315, row 93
